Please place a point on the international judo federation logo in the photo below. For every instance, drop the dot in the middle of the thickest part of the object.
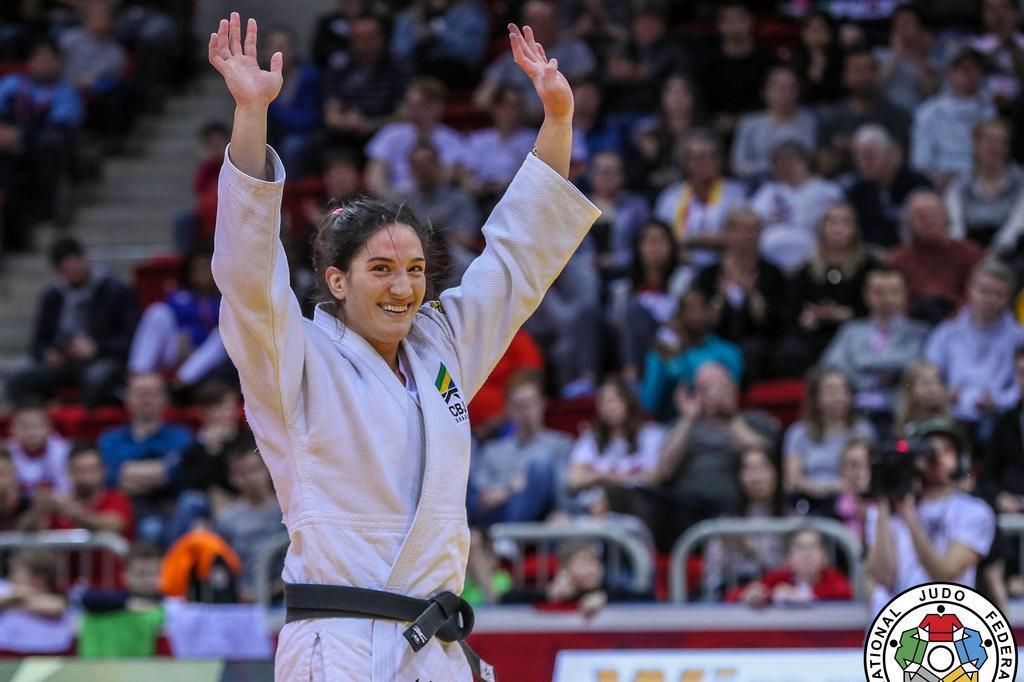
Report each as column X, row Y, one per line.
column 940, row 632
column 450, row 392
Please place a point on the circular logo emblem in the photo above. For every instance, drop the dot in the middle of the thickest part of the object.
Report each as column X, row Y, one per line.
column 940, row 632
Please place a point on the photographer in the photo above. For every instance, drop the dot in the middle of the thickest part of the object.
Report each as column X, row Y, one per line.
column 935, row 533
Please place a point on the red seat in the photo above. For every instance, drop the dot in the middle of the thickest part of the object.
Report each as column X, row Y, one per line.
column 782, row 398
column 570, row 415
column 155, row 277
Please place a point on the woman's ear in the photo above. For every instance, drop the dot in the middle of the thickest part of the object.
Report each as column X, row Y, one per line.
column 335, row 279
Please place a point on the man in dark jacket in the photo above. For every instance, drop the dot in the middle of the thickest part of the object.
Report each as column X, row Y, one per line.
column 82, row 331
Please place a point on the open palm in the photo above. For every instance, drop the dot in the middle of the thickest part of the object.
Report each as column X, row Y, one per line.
column 550, row 84
column 248, row 83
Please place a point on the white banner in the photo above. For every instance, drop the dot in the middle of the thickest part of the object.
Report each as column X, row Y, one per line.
column 713, row 665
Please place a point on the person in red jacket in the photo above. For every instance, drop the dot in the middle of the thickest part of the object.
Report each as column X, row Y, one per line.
column 806, row 577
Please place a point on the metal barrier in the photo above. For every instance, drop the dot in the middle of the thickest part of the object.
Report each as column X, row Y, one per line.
column 267, row 559
column 71, row 543
column 617, row 539
column 705, row 530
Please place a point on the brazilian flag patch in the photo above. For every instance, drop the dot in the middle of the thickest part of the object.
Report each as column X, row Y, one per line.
column 445, row 384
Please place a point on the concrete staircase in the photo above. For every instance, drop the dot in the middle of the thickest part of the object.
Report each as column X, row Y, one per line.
column 127, row 215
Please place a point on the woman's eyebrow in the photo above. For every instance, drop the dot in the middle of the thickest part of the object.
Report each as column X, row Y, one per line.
column 392, row 260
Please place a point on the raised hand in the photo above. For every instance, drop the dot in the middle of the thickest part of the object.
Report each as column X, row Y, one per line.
column 551, row 86
column 249, row 84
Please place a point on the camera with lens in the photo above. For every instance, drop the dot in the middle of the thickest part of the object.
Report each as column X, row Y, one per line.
column 896, row 465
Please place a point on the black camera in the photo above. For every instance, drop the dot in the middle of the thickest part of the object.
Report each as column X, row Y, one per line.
column 895, row 466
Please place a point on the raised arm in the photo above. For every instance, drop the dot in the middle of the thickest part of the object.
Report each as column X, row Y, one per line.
column 260, row 321
column 253, row 89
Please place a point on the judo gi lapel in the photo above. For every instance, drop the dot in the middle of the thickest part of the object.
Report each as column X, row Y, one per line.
column 437, row 390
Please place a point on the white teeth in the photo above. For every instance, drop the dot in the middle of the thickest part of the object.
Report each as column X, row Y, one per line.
column 395, row 308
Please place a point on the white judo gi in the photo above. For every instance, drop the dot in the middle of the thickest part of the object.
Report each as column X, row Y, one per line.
column 372, row 485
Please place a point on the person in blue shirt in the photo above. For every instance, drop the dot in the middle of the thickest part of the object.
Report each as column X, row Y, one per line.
column 295, row 115
column 679, row 350
column 39, row 116
column 142, row 457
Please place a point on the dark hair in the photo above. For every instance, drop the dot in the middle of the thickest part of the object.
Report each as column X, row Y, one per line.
column 185, row 270
column 142, row 551
column 65, row 247
column 634, row 416
column 82, row 448
column 913, row 9
column 777, row 494
column 433, row 89
column 732, row 4
column 41, row 564
column 1018, row 354
column 43, row 42
column 636, row 269
column 213, row 128
column 347, row 228
column 213, row 392
column 32, row 403
column 859, row 51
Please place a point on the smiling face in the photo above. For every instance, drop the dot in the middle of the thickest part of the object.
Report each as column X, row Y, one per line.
column 383, row 287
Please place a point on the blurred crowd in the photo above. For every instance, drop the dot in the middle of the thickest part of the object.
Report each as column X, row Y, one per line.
column 822, row 195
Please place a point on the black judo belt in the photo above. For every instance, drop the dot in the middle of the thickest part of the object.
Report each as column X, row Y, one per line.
column 446, row 616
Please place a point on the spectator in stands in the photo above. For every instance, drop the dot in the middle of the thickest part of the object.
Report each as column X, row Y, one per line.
column 923, row 396
column 975, row 350
column 295, row 115
column 179, row 335
column 444, row 38
column 39, row 118
column 193, row 225
column 487, row 409
column 940, row 147
column 644, row 300
column 39, row 453
column 873, row 350
column 818, row 59
column 601, row 24
column 759, row 134
column 251, row 519
column 698, row 463
column 213, row 139
column 849, row 505
column 740, row 287
column 622, row 214
column 361, row 90
column 936, row 266
column 90, row 505
column 813, row 445
column 880, row 184
column 14, row 504
column 638, row 65
column 791, row 205
column 960, row 528
column 680, row 349
column 655, row 150
column 575, row 60
column 143, row 457
column 592, row 130
column 1002, row 44
column 204, row 465
column 388, row 170
column 1004, row 465
column 94, row 63
column 617, row 452
column 580, row 582
column 32, row 584
column 493, row 155
column 739, row 559
column 864, row 104
column 516, row 477
column 911, row 62
column 82, row 330
column 987, row 206
column 449, row 209
column 806, row 577
column 332, row 35
column 697, row 207
column 736, row 69
column 826, row 291
column 138, row 607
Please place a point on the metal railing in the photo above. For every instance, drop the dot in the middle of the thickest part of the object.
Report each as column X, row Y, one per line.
column 93, row 550
column 703, row 531
column 618, row 541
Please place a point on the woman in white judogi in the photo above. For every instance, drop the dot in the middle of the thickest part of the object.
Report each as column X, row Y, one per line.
column 360, row 413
